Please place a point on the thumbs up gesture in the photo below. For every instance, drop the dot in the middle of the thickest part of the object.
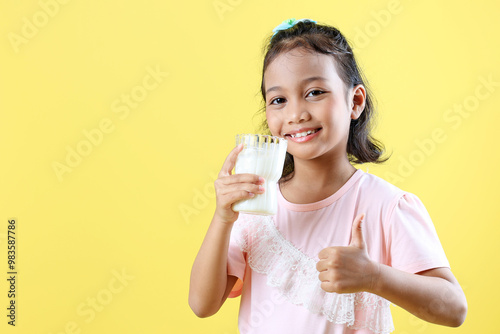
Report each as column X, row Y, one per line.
column 348, row 269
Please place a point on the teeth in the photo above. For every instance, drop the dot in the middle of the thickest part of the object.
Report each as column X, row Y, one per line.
column 302, row 134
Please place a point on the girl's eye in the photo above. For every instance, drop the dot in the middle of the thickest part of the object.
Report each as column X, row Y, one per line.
column 279, row 100
column 316, row 91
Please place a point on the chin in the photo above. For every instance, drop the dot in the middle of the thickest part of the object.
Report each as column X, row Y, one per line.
column 304, row 154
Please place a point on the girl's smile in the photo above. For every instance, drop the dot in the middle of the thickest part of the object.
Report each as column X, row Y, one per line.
column 302, row 135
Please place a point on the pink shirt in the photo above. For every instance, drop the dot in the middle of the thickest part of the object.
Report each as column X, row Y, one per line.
column 397, row 229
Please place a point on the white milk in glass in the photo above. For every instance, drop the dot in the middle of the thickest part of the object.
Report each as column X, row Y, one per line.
column 262, row 155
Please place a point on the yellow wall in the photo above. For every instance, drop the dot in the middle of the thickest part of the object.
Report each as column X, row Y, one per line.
column 150, row 95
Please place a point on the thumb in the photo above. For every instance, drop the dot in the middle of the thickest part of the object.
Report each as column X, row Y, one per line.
column 357, row 239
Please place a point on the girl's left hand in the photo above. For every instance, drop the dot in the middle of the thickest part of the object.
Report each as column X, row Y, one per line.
column 348, row 269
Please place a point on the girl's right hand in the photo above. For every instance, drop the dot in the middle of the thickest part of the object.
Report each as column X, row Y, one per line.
column 230, row 188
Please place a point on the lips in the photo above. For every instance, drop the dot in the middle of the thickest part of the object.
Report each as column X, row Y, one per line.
column 302, row 135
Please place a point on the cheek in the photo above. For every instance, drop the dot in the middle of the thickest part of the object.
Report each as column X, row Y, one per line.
column 343, row 114
column 273, row 123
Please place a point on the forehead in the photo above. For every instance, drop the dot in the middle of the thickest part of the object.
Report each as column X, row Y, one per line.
column 298, row 63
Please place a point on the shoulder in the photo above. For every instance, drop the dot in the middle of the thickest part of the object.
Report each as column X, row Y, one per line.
column 378, row 189
column 386, row 198
column 394, row 203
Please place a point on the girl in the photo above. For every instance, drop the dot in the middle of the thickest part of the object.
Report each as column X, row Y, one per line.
column 344, row 244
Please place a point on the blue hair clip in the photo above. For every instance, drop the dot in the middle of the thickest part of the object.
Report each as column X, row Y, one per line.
column 288, row 24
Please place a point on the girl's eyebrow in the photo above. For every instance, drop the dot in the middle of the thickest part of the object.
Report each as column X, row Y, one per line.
column 307, row 80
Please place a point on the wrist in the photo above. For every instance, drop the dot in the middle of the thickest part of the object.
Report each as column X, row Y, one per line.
column 375, row 278
column 219, row 219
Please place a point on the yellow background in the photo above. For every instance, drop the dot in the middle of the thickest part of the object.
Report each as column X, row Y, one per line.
column 119, row 209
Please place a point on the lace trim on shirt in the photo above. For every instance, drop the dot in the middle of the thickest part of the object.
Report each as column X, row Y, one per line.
column 295, row 276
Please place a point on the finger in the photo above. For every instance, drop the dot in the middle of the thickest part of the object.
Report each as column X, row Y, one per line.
column 327, row 286
column 238, row 187
column 242, row 178
column 323, row 277
column 230, row 161
column 324, row 253
column 357, row 239
column 322, row 265
column 228, row 200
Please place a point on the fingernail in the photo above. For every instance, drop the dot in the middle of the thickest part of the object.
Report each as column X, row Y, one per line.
column 261, row 188
column 251, row 194
column 261, row 179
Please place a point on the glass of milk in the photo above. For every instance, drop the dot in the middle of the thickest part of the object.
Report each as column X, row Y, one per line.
column 262, row 155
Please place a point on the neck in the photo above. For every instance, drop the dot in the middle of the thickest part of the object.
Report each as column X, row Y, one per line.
column 317, row 179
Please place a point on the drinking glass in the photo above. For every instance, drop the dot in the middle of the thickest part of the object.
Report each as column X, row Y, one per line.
column 262, row 155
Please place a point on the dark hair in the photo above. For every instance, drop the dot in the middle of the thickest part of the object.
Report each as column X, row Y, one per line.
column 324, row 39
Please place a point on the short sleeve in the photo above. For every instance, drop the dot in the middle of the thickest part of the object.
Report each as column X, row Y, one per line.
column 413, row 243
column 236, row 264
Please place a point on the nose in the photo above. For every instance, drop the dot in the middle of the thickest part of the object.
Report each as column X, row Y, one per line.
column 297, row 113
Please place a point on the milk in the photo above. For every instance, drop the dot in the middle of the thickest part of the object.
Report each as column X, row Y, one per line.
column 264, row 156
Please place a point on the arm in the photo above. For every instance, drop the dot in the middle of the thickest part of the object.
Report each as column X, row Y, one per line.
column 210, row 284
column 433, row 295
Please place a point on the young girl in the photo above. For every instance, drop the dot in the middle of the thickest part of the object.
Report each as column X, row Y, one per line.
column 344, row 244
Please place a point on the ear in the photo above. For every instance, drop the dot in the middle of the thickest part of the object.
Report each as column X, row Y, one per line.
column 358, row 100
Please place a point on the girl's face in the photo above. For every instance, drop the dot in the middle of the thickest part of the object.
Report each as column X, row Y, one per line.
column 306, row 103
